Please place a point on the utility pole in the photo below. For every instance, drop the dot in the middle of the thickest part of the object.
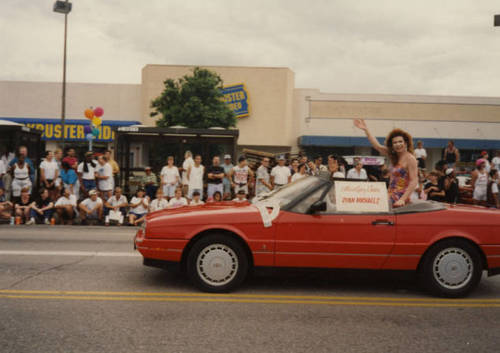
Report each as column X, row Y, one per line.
column 65, row 8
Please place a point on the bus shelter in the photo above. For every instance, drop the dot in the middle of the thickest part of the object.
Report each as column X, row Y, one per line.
column 139, row 146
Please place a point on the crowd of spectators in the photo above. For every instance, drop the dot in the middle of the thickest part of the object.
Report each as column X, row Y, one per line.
column 87, row 192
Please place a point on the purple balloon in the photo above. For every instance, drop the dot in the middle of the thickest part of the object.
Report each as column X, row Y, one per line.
column 87, row 129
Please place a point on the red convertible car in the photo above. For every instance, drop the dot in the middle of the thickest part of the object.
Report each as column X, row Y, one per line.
column 299, row 226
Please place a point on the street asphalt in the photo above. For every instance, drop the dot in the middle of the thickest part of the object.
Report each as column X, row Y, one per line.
column 84, row 289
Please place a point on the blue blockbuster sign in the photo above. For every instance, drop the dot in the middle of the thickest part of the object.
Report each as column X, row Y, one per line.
column 73, row 128
column 236, row 97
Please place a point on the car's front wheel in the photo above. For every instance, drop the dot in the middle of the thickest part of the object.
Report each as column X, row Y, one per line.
column 451, row 268
column 217, row 263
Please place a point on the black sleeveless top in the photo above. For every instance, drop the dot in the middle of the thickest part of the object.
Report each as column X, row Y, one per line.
column 450, row 157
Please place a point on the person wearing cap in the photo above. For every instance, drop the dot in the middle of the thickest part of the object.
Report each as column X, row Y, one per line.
column 228, row 166
column 487, row 166
column 86, row 173
column 280, row 174
column 138, row 208
column 450, row 186
column 215, row 175
column 91, row 208
column 149, row 182
column 240, row 196
column 479, row 182
column 241, row 175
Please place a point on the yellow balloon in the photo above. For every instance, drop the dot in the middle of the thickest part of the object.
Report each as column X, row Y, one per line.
column 96, row 121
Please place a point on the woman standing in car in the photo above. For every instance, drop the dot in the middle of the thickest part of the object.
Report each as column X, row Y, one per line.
column 399, row 148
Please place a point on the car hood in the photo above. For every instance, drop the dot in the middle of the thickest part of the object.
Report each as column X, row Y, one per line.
column 207, row 213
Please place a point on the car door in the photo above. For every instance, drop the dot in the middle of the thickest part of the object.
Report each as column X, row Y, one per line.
column 331, row 239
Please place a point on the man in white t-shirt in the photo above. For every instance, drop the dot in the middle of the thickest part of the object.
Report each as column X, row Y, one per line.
column 49, row 172
column 66, row 207
column 280, row 174
column 195, row 177
column 420, row 154
column 91, row 208
column 115, row 207
column 104, row 176
column 188, row 162
column 358, row 172
column 178, row 200
column 169, row 178
column 160, row 203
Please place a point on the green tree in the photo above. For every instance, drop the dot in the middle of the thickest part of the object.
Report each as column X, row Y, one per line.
column 194, row 101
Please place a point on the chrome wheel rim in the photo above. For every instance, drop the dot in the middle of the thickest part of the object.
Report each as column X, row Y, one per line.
column 453, row 268
column 217, row 264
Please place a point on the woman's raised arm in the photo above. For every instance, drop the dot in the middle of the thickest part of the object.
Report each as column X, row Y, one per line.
column 360, row 124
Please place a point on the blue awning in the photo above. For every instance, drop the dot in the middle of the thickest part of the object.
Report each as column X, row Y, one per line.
column 74, row 128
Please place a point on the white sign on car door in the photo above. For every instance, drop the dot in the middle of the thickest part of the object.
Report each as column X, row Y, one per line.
column 352, row 196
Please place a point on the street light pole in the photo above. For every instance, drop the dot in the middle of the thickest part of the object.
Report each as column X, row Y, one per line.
column 65, row 8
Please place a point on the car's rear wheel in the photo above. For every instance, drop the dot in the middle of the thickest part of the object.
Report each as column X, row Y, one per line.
column 217, row 263
column 451, row 268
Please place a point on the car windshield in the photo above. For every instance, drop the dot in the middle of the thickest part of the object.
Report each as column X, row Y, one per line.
column 290, row 192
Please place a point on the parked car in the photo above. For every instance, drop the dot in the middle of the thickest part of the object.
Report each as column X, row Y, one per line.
column 299, row 226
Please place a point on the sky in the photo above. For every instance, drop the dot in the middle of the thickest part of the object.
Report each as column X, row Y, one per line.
column 356, row 46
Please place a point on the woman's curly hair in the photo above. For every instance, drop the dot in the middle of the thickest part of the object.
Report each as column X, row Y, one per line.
column 388, row 143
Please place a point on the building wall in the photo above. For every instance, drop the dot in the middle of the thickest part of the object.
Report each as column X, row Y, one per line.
column 327, row 119
column 20, row 99
column 270, row 91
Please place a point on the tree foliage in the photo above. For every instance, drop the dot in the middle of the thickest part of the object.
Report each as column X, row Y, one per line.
column 194, row 101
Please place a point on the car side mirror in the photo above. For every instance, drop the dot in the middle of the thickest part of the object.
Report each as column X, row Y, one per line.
column 317, row 206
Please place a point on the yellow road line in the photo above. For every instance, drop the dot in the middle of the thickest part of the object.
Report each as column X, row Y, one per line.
column 251, row 301
column 251, row 296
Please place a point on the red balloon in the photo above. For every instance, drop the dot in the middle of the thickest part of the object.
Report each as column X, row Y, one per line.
column 98, row 111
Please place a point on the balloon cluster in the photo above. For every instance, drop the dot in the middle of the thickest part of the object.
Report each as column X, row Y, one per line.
column 92, row 130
